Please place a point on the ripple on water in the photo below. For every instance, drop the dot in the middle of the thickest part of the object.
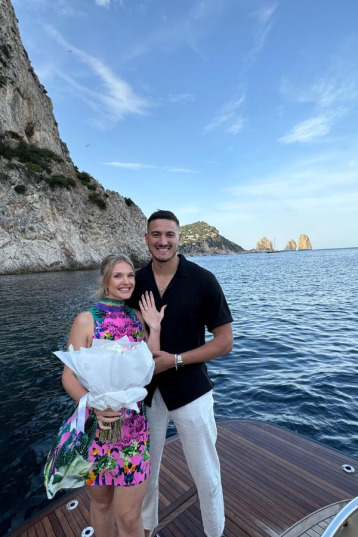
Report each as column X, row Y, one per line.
column 294, row 362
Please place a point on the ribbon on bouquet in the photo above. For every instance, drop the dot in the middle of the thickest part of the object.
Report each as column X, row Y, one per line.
column 79, row 416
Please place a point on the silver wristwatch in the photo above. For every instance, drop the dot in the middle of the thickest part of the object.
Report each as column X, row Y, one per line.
column 178, row 361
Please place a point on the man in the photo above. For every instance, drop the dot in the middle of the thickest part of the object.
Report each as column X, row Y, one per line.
column 181, row 388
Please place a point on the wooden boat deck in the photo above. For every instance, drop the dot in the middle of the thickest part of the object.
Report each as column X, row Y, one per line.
column 272, row 479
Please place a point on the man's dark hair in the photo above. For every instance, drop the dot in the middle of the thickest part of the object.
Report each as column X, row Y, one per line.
column 163, row 215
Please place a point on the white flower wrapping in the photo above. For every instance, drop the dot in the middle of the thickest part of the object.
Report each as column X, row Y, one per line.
column 113, row 372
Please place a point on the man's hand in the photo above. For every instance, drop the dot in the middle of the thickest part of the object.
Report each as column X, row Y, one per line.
column 163, row 361
column 106, row 417
column 220, row 344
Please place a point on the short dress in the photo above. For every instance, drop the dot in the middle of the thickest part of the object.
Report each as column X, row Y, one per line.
column 125, row 462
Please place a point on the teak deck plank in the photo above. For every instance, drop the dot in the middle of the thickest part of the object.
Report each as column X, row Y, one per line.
column 48, row 528
column 272, row 478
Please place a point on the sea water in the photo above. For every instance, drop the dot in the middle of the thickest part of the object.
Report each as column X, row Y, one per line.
column 294, row 362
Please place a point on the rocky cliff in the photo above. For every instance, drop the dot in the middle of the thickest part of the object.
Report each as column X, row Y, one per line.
column 291, row 245
column 264, row 245
column 52, row 216
column 304, row 243
column 201, row 239
column 25, row 107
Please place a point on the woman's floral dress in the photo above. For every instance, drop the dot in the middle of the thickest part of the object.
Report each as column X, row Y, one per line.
column 86, row 457
column 126, row 461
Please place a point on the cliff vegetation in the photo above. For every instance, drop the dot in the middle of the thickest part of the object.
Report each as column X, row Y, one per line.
column 200, row 238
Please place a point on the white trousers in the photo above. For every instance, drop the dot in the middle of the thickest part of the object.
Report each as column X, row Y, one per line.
column 196, row 427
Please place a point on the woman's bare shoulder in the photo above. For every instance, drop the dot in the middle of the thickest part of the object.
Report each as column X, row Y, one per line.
column 81, row 330
column 83, row 319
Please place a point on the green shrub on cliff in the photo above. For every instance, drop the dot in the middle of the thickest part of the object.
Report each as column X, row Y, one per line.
column 89, row 185
column 60, row 181
column 34, row 167
column 86, row 179
column 6, row 151
column 20, row 189
column 14, row 135
column 27, row 153
column 84, row 176
column 129, row 202
column 38, row 155
column 95, row 198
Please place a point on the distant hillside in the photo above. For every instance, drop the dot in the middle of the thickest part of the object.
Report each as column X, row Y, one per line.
column 201, row 239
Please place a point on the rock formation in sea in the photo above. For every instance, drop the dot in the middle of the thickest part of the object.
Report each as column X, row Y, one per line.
column 304, row 243
column 200, row 238
column 52, row 216
column 291, row 245
column 264, row 245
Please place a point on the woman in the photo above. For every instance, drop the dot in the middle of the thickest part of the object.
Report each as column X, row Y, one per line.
column 118, row 478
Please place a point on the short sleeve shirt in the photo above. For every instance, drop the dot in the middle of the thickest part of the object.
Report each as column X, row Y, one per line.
column 195, row 301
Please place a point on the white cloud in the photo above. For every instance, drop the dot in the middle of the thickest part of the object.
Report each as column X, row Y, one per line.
column 130, row 165
column 229, row 118
column 308, row 130
column 181, row 98
column 136, row 166
column 186, row 212
column 102, row 2
column 298, row 199
column 114, row 99
column 179, row 170
column 302, row 186
column 236, row 125
column 265, row 13
column 189, row 27
column 333, row 96
column 265, row 20
column 61, row 7
column 325, row 92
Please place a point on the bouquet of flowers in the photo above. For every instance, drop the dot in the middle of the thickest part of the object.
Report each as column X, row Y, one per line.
column 115, row 374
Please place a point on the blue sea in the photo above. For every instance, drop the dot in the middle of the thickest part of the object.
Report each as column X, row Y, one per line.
column 294, row 362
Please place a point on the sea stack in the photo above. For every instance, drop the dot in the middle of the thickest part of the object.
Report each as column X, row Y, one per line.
column 304, row 243
column 264, row 245
column 291, row 245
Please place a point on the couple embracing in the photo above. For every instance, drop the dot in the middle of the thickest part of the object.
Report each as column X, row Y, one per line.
column 169, row 303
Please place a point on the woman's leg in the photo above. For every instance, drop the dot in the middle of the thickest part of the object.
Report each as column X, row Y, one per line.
column 101, row 510
column 127, row 506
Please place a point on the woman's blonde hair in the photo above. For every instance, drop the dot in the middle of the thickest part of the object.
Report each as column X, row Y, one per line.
column 107, row 266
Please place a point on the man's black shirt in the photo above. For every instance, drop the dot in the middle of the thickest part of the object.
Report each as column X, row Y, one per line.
column 194, row 301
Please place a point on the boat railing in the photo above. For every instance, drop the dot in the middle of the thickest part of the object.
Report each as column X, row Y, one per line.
column 343, row 524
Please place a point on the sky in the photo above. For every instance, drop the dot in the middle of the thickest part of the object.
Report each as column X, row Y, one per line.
column 239, row 113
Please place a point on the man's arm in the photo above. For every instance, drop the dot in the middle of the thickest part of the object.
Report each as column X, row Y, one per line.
column 220, row 344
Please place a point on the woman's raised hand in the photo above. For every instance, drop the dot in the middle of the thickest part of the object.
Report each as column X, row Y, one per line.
column 151, row 315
